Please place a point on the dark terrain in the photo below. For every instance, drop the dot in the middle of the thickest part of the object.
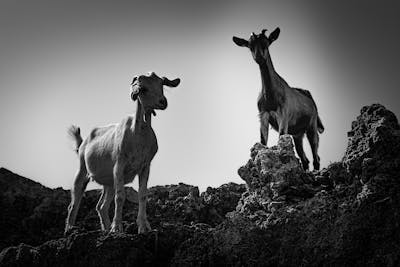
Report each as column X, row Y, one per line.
column 347, row 214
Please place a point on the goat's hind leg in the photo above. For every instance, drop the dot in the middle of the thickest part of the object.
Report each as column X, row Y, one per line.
column 313, row 138
column 264, row 124
column 298, row 142
column 80, row 183
column 103, row 206
column 143, row 223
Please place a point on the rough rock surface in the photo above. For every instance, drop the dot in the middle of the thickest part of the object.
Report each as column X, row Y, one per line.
column 347, row 214
column 33, row 213
column 374, row 148
column 94, row 248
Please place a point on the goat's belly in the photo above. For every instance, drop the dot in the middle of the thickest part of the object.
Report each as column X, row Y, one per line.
column 103, row 180
column 99, row 168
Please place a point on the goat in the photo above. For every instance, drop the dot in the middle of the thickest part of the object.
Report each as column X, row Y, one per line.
column 288, row 110
column 113, row 155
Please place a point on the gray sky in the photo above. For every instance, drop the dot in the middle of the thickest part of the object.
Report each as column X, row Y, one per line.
column 71, row 62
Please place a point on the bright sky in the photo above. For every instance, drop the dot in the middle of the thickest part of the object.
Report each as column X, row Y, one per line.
column 69, row 62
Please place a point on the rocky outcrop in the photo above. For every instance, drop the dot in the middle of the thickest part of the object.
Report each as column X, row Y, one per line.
column 374, row 145
column 94, row 248
column 274, row 176
column 33, row 214
column 347, row 214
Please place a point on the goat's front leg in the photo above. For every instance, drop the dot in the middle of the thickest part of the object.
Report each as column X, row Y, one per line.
column 119, row 198
column 283, row 126
column 142, row 222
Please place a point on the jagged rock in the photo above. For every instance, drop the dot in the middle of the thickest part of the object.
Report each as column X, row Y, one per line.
column 335, row 174
column 33, row 214
column 348, row 214
column 221, row 200
column 94, row 248
column 352, row 219
column 182, row 203
column 276, row 171
column 374, row 144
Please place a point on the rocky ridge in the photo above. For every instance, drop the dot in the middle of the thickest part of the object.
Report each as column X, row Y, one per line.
column 347, row 214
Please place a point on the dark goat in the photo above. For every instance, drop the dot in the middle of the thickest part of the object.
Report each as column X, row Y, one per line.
column 288, row 110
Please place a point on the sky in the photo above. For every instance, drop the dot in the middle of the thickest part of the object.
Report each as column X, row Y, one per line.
column 71, row 62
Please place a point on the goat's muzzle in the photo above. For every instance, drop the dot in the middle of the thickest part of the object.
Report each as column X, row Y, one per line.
column 163, row 103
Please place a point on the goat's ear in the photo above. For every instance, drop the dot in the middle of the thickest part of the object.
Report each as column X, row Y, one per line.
column 274, row 35
column 240, row 41
column 173, row 83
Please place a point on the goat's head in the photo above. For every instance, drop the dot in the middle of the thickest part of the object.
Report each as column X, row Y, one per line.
column 148, row 89
column 258, row 44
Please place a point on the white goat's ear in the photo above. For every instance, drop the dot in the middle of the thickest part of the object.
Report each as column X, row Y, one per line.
column 173, row 83
column 240, row 41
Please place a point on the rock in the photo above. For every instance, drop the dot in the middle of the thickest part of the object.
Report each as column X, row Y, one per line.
column 335, row 174
column 374, row 145
column 33, row 214
column 97, row 249
column 221, row 200
column 350, row 216
column 344, row 215
column 276, row 172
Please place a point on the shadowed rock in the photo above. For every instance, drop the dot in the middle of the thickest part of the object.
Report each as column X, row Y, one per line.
column 345, row 215
column 374, row 144
column 342, row 220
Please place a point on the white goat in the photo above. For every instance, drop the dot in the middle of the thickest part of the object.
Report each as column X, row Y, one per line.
column 113, row 155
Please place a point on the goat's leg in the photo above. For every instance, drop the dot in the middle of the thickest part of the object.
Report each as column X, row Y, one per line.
column 143, row 224
column 313, row 138
column 298, row 142
column 103, row 206
column 283, row 126
column 264, row 124
column 80, row 183
column 119, row 198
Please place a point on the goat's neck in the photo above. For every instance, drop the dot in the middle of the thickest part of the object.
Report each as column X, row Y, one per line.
column 271, row 81
column 143, row 118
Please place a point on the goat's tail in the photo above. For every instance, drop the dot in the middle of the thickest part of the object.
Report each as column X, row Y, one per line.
column 320, row 126
column 75, row 133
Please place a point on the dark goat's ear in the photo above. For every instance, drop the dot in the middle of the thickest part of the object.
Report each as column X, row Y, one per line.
column 274, row 35
column 173, row 83
column 240, row 41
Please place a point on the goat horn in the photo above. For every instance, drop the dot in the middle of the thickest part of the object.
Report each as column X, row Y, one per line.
column 263, row 31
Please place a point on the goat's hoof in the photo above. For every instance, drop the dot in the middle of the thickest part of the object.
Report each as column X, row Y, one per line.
column 116, row 228
column 70, row 229
column 144, row 227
